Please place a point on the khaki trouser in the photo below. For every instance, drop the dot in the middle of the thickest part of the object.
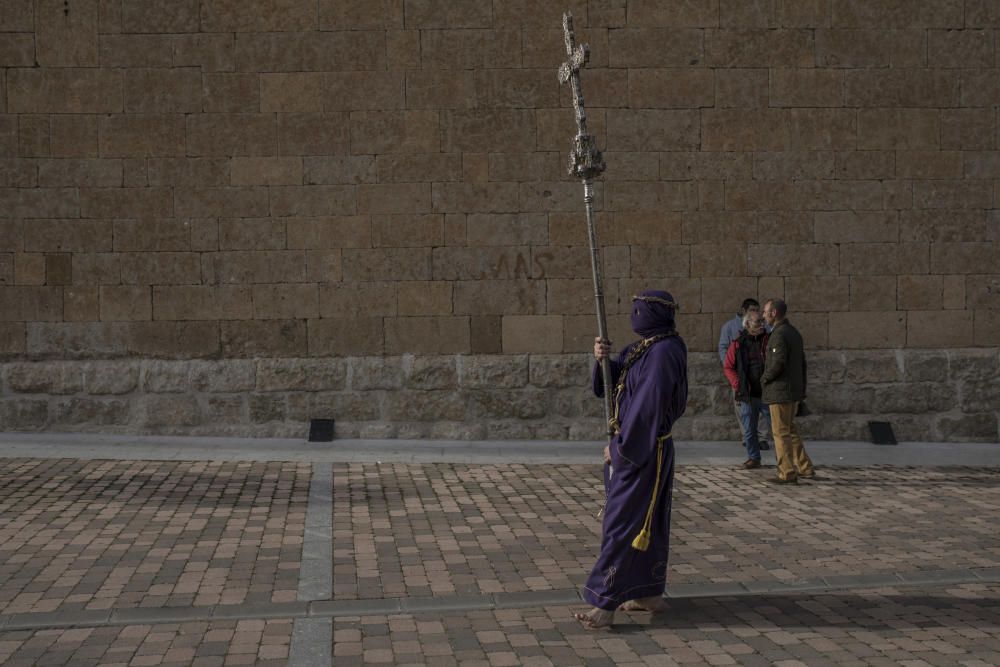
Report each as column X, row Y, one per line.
column 788, row 449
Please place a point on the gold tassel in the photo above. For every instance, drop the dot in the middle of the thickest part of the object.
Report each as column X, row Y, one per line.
column 641, row 541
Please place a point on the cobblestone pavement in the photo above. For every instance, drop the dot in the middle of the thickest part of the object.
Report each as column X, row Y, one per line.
column 204, row 563
column 940, row 626
column 415, row 530
column 247, row 642
column 101, row 534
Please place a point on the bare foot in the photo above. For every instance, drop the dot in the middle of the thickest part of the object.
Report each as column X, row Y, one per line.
column 596, row 619
column 654, row 605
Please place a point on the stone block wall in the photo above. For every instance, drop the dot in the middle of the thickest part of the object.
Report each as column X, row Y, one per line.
column 926, row 395
column 364, row 186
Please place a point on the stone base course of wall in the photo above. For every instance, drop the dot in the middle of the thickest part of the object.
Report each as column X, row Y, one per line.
column 927, row 395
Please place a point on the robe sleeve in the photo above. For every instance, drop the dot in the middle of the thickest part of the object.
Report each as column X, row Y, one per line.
column 597, row 379
column 644, row 418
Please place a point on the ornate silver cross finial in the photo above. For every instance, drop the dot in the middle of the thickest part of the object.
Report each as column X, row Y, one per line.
column 585, row 160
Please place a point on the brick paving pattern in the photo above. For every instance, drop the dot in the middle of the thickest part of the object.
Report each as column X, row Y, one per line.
column 942, row 626
column 245, row 642
column 78, row 535
column 415, row 530
column 100, row 534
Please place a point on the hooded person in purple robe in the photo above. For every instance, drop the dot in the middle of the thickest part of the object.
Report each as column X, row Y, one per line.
column 649, row 381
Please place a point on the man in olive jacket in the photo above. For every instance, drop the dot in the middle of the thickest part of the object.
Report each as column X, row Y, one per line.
column 783, row 387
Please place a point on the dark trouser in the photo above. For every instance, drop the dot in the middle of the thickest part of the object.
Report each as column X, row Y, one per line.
column 753, row 414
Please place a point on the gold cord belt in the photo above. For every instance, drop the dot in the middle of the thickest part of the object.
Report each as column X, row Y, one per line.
column 641, row 541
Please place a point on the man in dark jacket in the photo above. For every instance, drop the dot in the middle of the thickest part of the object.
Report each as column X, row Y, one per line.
column 744, row 366
column 784, row 386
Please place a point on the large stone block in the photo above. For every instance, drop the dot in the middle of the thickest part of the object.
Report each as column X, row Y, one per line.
column 939, row 328
column 980, row 396
column 80, row 173
column 968, row 428
column 470, row 49
column 48, row 378
column 222, row 376
column 987, row 327
column 12, row 338
column 674, row 13
column 125, row 303
column 270, row 338
column 258, row 16
column 176, row 90
column 860, row 330
column 875, row 293
column 360, row 14
column 427, row 335
column 898, row 14
column 897, row 128
column 884, row 258
column 174, row 340
column 167, row 411
column 972, row 365
column 431, row 373
column 285, row 302
column 31, row 304
column 793, row 259
column 86, row 413
column 424, row 298
column 499, row 404
column 148, row 16
column 40, row 202
column 367, row 373
column 478, row 130
column 44, row 90
column 202, row 302
column 313, row 200
column 230, row 92
column 222, row 411
column 925, row 366
column 874, row 367
column 110, row 377
column 532, row 334
column 240, row 268
column 347, row 336
column 362, row 265
column 76, row 340
column 329, row 232
column 425, row 406
column 484, row 372
column 475, row 198
column 352, row 50
column 825, row 367
column 301, row 375
column 24, row 414
column 264, row 408
column 443, row 14
column 142, row 135
column 166, row 377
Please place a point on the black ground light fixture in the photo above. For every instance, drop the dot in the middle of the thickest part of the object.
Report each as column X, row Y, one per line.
column 882, row 433
column 321, row 430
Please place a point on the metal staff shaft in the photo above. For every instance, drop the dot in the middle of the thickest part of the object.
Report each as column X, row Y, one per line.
column 602, row 319
column 586, row 161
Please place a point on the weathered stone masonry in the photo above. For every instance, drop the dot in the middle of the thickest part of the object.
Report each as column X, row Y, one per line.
column 228, row 217
column 926, row 395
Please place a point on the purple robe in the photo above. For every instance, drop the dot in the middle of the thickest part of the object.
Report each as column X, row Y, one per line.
column 654, row 398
